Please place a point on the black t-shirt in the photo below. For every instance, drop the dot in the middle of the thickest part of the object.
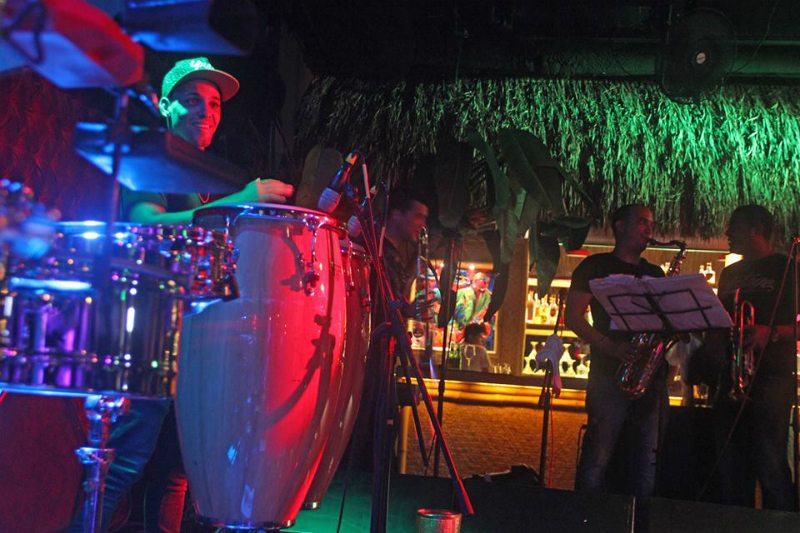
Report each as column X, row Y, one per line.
column 760, row 281
column 601, row 266
column 400, row 263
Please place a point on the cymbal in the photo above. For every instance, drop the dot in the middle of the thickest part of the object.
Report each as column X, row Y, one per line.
column 156, row 160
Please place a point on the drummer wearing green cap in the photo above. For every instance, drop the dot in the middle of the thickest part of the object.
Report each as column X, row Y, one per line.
column 192, row 94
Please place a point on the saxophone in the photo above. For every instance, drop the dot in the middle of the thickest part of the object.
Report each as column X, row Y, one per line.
column 634, row 377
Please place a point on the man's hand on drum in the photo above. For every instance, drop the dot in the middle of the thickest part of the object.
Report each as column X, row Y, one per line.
column 265, row 191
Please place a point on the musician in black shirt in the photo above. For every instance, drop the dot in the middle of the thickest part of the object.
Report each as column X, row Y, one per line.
column 608, row 409
column 758, row 446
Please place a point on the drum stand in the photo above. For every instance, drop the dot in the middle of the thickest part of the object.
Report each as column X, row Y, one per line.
column 101, row 411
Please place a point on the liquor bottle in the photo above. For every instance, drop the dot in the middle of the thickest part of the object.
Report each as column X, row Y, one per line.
column 711, row 276
column 530, row 307
column 541, row 312
column 552, row 312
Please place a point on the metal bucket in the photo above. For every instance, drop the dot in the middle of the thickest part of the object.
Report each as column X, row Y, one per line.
column 438, row 521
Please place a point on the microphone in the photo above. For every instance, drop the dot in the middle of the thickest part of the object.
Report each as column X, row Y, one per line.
column 354, row 227
column 353, row 224
column 330, row 197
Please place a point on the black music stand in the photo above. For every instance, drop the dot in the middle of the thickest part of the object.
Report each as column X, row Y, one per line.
column 673, row 304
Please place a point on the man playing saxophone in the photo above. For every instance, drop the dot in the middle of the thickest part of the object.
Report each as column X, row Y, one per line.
column 758, row 445
column 609, row 409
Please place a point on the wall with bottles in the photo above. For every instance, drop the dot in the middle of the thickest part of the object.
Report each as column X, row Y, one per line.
column 542, row 320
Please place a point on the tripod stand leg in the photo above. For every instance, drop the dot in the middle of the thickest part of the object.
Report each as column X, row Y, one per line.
column 384, row 435
column 545, row 402
column 403, row 348
column 415, row 413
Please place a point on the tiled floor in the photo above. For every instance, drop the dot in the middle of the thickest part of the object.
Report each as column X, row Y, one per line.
column 486, row 439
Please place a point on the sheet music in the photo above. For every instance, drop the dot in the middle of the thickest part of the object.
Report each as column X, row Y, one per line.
column 687, row 302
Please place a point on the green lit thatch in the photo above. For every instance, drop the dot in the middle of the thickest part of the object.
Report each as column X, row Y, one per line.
column 693, row 163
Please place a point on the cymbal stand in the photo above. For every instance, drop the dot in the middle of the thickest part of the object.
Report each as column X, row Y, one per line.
column 104, row 410
column 101, row 411
column 403, row 351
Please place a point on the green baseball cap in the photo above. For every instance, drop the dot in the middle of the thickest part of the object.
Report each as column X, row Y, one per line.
column 199, row 68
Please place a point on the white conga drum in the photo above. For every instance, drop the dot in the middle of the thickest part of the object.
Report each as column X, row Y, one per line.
column 356, row 343
column 259, row 375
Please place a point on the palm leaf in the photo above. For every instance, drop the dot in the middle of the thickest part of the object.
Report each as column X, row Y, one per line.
column 548, row 255
column 451, row 168
column 529, row 165
column 501, row 186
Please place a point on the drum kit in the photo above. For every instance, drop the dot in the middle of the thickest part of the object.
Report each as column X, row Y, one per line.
column 254, row 319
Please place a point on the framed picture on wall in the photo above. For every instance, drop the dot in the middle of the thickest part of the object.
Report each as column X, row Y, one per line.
column 473, row 288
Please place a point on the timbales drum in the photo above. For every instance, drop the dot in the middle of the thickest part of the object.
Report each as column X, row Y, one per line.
column 260, row 375
column 97, row 318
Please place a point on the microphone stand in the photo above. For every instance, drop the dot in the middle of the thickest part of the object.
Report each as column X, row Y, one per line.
column 447, row 303
column 545, row 399
column 545, row 405
column 395, row 327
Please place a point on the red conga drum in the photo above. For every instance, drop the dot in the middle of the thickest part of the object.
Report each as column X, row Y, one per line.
column 356, row 343
column 259, row 376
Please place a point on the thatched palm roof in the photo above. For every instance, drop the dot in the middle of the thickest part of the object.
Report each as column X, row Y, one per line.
column 692, row 162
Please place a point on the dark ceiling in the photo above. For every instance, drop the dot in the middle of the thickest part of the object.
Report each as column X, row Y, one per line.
column 552, row 38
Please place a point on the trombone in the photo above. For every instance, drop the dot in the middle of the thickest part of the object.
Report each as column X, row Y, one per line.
column 742, row 361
